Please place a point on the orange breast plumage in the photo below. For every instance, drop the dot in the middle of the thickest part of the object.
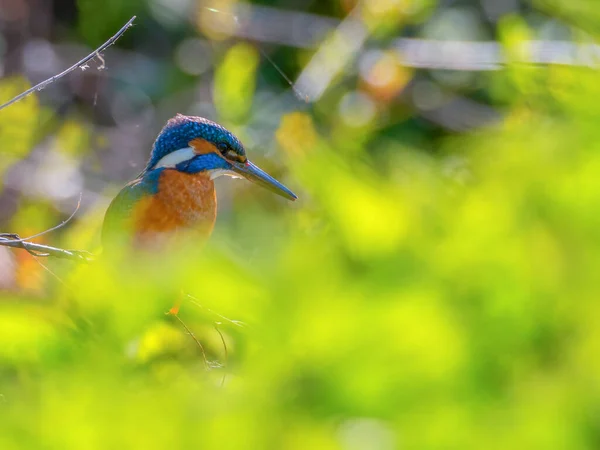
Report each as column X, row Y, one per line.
column 183, row 202
column 160, row 204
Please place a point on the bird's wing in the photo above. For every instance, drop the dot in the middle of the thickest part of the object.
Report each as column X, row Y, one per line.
column 121, row 211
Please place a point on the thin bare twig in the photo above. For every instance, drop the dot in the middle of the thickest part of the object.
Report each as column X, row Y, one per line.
column 14, row 241
column 47, row 269
column 187, row 329
column 224, row 365
column 83, row 62
column 196, row 302
column 60, row 225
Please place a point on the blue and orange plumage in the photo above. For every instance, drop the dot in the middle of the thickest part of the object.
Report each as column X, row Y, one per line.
column 176, row 192
column 176, row 189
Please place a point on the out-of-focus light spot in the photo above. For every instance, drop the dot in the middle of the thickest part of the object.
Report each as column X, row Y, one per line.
column 455, row 23
column 332, row 57
column 384, row 74
column 13, row 10
column 356, row 109
column 217, row 19
column 265, row 24
column 366, row 433
column 297, row 135
column 171, row 12
column 460, row 24
column 72, row 138
column 24, row 120
column 57, row 177
column 452, row 55
column 388, row 13
column 380, row 7
column 427, row 96
column 367, row 61
column 160, row 340
column 193, row 56
column 39, row 57
column 235, row 79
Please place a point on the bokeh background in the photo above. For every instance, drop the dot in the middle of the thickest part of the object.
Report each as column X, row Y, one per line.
column 434, row 287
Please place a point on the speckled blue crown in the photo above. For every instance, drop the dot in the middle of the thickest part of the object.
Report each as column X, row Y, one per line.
column 180, row 130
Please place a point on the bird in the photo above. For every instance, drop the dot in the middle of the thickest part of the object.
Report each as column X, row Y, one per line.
column 175, row 193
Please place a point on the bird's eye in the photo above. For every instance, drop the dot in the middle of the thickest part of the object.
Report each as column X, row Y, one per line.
column 223, row 147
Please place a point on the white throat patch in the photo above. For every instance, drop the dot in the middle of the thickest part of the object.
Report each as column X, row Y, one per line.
column 216, row 173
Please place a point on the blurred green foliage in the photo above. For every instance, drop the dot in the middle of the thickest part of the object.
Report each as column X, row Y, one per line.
column 25, row 113
column 408, row 299
column 235, row 82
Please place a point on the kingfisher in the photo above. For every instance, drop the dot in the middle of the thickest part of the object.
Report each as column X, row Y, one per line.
column 176, row 192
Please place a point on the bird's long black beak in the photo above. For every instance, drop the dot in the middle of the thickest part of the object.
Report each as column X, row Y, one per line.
column 253, row 173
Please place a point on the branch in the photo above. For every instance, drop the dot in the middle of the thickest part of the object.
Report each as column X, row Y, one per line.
column 14, row 241
column 95, row 53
